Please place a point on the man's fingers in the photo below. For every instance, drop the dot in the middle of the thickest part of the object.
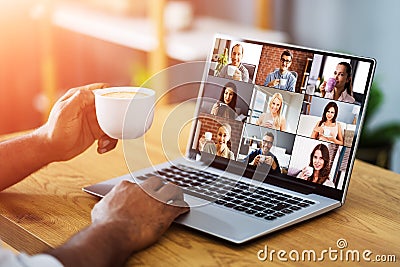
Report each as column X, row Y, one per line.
column 152, row 184
column 89, row 87
column 105, row 144
column 169, row 192
column 95, row 86
column 165, row 192
column 181, row 206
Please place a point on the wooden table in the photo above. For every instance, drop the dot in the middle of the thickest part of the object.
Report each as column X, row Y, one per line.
column 48, row 207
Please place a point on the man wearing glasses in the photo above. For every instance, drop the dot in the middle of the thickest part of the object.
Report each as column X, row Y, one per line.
column 263, row 156
column 282, row 78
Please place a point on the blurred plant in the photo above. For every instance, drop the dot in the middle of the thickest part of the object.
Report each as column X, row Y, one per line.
column 376, row 144
column 222, row 61
column 381, row 135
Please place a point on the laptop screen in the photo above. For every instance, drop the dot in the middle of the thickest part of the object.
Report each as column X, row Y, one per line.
column 291, row 112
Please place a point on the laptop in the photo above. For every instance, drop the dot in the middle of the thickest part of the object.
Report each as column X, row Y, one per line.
column 284, row 152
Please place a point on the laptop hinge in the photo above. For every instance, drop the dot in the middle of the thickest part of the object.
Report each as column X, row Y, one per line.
column 290, row 184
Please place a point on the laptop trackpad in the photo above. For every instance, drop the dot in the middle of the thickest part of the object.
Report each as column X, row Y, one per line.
column 224, row 223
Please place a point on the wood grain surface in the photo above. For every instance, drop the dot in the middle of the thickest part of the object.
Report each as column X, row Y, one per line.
column 48, row 207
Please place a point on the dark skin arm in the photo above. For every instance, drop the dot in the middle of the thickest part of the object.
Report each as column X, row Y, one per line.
column 128, row 219
column 71, row 128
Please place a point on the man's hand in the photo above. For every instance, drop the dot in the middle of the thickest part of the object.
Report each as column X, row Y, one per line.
column 269, row 160
column 256, row 160
column 72, row 125
column 129, row 218
column 273, row 83
column 140, row 212
column 237, row 76
column 71, row 128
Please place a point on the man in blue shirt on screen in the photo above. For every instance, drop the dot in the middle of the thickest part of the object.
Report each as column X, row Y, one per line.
column 282, row 78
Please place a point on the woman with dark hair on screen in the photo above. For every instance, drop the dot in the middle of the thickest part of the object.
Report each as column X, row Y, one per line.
column 226, row 105
column 343, row 90
column 318, row 169
column 328, row 129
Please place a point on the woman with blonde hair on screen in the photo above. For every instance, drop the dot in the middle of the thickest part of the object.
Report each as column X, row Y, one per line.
column 221, row 147
column 274, row 119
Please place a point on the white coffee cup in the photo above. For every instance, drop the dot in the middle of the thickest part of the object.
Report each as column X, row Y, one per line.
column 125, row 112
column 327, row 132
column 309, row 171
column 208, row 136
column 282, row 82
column 262, row 158
column 270, row 123
column 231, row 70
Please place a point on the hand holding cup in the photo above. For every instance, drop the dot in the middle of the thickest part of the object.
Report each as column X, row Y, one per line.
column 231, row 70
column 330, row 85
column 327, row 132
column 237, row 75
column 308, row 171
column 268, row 160
column 282, row 82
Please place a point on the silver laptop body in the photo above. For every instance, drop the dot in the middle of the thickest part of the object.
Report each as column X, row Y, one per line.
column 253, row 200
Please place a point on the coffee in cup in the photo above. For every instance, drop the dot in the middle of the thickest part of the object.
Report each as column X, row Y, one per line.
column 124, row 112
column 330, row 85
column 125, row 94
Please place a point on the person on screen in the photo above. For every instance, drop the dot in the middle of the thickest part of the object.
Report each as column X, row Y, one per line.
column 116, row 231
column 328, row 129
column 221, row 146
column 235, row 70
column 318, row 169
column 274, row 118
column 263, row 155
column 282, row 78
column 343, row 90
column 226, row 105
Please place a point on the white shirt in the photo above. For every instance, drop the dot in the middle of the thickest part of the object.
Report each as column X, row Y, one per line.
column 9, row 259
column 344, row 96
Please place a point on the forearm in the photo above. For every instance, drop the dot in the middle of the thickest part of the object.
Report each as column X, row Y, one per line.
column 314, row 134
column 97, row 245
column 274, row 165
column 22, row 156
column 337, row 141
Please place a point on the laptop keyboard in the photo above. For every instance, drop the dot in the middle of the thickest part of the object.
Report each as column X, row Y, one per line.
column 237, row 195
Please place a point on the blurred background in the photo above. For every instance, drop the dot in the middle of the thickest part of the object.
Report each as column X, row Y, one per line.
column 49, row 46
